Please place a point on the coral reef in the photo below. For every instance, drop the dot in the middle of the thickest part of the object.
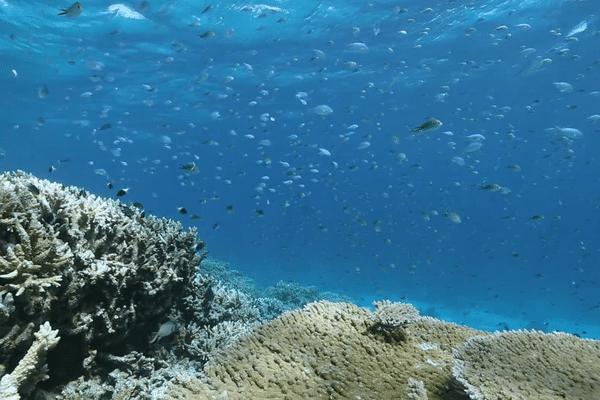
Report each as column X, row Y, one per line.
column 292, row 293
column 529, row 365
column 102, row 274
column 328, row 351
column 281, row 297
column 331, row 351
column 122, row 288
column 219, row 316
column 139, row 317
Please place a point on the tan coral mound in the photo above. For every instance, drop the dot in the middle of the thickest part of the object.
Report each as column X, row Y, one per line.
column 529, row 365
column 330, row 351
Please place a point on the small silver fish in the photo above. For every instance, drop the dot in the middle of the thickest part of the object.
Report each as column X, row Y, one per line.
column 165, row 330
column 570, row 133
column 74, row 10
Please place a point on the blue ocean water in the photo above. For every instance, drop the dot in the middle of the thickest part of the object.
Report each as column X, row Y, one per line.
column 298, row 117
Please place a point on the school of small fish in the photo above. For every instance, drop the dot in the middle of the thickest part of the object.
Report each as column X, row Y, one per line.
column 380, row 121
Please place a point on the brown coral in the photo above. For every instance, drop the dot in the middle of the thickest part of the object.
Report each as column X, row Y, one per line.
column 529, row 365
column 327, row 351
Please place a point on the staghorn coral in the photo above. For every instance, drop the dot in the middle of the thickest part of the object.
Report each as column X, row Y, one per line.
column 276, row 299
column 327, row 351
column 215, row 316
column 221, row 315
column 32, row 368
column 230, row 305
column 529, row 365
column 32, row 257
column 103, row 274
column 201, row 343
column 7, row 306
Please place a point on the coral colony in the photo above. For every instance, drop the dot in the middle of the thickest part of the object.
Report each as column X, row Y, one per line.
column 98, row 300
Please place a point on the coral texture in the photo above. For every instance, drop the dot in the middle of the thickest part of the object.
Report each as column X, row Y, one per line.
column 103, row 274
column 328, row 351
column 390, row 316
column 529, row 365
column 220, row 315
column 416, row 390
column 32, row 368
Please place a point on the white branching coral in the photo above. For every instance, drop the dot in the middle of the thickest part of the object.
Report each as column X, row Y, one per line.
column 202, row 342
column 32, row 368
column 99, row 271
column 31, row 256
column 23, row 274
column 391, row 316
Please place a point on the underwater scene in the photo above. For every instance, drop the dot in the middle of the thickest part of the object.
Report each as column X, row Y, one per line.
column 213, row 200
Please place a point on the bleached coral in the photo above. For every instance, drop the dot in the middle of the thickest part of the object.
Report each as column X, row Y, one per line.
column 25, row 274
column 32, row 368
column 7, row 306
column 416, row 390
column 230, row 304
column 32, row 256
column 390, row 316
column 202, row 342
column 102, row 273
